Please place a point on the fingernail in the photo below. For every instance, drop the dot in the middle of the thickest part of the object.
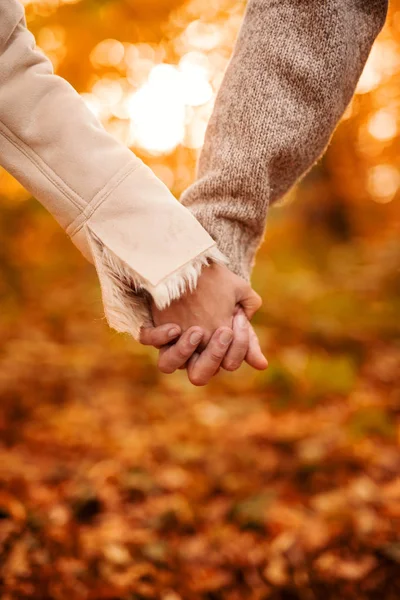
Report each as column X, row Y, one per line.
column 242, row 321
column 173, row 332
column 226, row 337
column 195, row 338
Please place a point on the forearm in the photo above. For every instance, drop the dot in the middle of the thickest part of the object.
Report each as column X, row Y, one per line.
column 115, row 210
column 294, row 70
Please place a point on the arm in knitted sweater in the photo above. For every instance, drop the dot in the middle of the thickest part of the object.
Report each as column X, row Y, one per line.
column 294, row 70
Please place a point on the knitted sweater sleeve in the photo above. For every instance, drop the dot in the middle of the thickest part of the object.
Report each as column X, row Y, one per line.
column 294, row 70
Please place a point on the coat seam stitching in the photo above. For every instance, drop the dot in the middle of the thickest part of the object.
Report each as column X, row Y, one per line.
column 44, row 169
column 95, row 203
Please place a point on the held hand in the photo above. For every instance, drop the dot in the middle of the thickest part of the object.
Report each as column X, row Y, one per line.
column 245, row 346
column 212, row 304
column 176, row 353
column 227, row 346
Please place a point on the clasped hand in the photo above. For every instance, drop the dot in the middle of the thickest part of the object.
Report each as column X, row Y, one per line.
column 208, row 328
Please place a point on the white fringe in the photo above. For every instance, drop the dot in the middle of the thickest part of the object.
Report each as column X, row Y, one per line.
column 126, row 293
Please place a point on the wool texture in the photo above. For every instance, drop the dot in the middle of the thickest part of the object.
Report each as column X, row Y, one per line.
column 294, row 69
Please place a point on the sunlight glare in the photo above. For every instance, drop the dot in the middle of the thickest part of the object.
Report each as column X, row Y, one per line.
column 108, row 91
column 93, row 104
column 108, row 53
column 383, row 62
column 383, row 125
column 370, row 78
column 194, row 70
column 383, row 183
column 204, row 36
column 157, row 111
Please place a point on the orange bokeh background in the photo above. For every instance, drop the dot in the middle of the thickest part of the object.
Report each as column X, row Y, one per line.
column 119, row 482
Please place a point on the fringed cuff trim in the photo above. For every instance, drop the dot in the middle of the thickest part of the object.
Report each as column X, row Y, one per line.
column 126, row 293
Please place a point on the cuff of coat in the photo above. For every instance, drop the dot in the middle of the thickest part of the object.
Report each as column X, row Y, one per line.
column 142, row 242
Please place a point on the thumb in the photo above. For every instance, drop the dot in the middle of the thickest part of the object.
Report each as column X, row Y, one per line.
column 159, row 336
column 249, row 300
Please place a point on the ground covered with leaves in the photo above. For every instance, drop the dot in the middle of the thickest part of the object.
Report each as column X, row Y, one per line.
column 118, row 482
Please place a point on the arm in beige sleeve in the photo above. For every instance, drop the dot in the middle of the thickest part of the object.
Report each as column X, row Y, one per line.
column 115, row 210
column 294, row 70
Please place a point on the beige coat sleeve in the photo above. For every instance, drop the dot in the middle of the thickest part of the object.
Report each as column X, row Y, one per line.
column 112, row 206
column 294, row 69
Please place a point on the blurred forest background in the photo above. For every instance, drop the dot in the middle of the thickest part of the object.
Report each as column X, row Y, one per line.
column 117, row 482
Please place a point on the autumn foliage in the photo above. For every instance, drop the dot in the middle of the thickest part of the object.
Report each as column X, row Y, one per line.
column 117, row 482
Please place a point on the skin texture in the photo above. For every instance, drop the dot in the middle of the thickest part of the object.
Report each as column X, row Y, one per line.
column 176, row 351
column 225, row 341
column 212, row 304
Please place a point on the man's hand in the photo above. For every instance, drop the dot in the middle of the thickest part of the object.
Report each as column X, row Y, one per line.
column 199, row 315
column 212, row 304
column 182, row 353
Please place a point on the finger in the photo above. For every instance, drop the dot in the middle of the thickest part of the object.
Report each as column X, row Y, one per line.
column 185, row 367
column 240, row 344
column 159, row 336
column 174, row 357
column 192, row 361
column 203, row 367
column 254, row 357
column 249, row 300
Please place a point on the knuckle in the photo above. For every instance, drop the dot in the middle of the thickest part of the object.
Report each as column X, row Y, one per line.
column 166, row 367
column 197, row 380
column 240, row 347
column 161, row 340
column 182, row 353
column 216, row 355
column 231, row 365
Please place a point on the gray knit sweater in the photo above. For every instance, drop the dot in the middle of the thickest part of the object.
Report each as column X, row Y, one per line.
column 294, row 70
